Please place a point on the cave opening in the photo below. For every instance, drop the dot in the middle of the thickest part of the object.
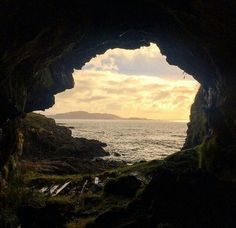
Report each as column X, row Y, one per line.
column 132, row 100
column 41, row 43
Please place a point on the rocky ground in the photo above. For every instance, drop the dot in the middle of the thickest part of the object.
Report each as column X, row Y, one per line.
column 168, row 193
column 51, row 149
column 61, row 191
column 44, row 139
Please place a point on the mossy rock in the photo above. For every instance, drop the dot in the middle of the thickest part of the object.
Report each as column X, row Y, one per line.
column 126, row 186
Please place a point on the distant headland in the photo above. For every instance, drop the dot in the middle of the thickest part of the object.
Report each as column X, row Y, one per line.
column 87, row 115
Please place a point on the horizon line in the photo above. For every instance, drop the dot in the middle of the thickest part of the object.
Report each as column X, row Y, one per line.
column 124, row 117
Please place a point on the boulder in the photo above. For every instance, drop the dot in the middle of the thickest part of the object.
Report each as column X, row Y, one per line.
column 126, row 186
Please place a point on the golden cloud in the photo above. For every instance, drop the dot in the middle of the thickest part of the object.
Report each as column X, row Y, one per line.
column 130, row 83
column 125, row 95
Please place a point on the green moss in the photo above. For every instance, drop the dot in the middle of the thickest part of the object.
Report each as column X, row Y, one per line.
column 10, row 201
column 38, row 121
column 145, row 168
column 91, row 204
column 197, row 127
column 34, row 178
column 35, row 199
column 126, row 186
column 182, row 160
column 208, row 151
column 60, row 200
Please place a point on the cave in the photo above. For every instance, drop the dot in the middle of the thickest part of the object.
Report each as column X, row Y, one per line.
column 121, row 94
column 42, row 42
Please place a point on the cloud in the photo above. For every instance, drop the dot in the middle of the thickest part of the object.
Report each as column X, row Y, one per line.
column 126, row 95
column 130, row 83
column 90, row 99
column 142, row 61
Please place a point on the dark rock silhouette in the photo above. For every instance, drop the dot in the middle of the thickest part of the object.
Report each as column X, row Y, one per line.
column 46, row 140
column 51, row 149
column 125, row 186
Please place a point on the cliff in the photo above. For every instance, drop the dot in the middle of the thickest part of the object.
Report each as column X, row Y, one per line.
column 197, row 127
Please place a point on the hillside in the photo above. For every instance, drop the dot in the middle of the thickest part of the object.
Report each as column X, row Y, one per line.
column 87, row 115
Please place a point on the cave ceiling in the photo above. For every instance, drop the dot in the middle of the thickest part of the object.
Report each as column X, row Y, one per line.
column 43, row 41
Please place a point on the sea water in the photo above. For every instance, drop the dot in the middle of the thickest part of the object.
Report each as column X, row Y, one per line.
column 133, row 140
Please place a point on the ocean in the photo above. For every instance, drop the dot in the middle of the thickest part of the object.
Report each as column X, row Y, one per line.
column 133, row 140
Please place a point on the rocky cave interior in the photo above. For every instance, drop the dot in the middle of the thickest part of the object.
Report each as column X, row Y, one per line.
column 42, row 42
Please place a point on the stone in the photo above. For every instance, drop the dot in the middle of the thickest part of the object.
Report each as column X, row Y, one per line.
column 126, row 186
column 46, row 140
column 116, row 154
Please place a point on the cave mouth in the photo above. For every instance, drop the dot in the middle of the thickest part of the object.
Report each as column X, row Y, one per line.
column 147, row 101
column 43, row 41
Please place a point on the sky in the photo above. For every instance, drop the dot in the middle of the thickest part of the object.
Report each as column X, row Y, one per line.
column 130, row 83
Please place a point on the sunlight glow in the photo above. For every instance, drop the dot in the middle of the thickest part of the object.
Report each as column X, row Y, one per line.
column 130, row 83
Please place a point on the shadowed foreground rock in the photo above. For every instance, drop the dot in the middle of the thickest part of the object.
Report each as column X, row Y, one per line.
column 126, row 186
column 191, row 199
column 51, row 149
column 46, row 140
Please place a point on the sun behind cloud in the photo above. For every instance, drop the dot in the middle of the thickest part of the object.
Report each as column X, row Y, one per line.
column 130, row 83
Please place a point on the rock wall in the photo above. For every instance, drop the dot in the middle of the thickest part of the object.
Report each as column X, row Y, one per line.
column 43, row 41
column 197, row 127
column 211, row 132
